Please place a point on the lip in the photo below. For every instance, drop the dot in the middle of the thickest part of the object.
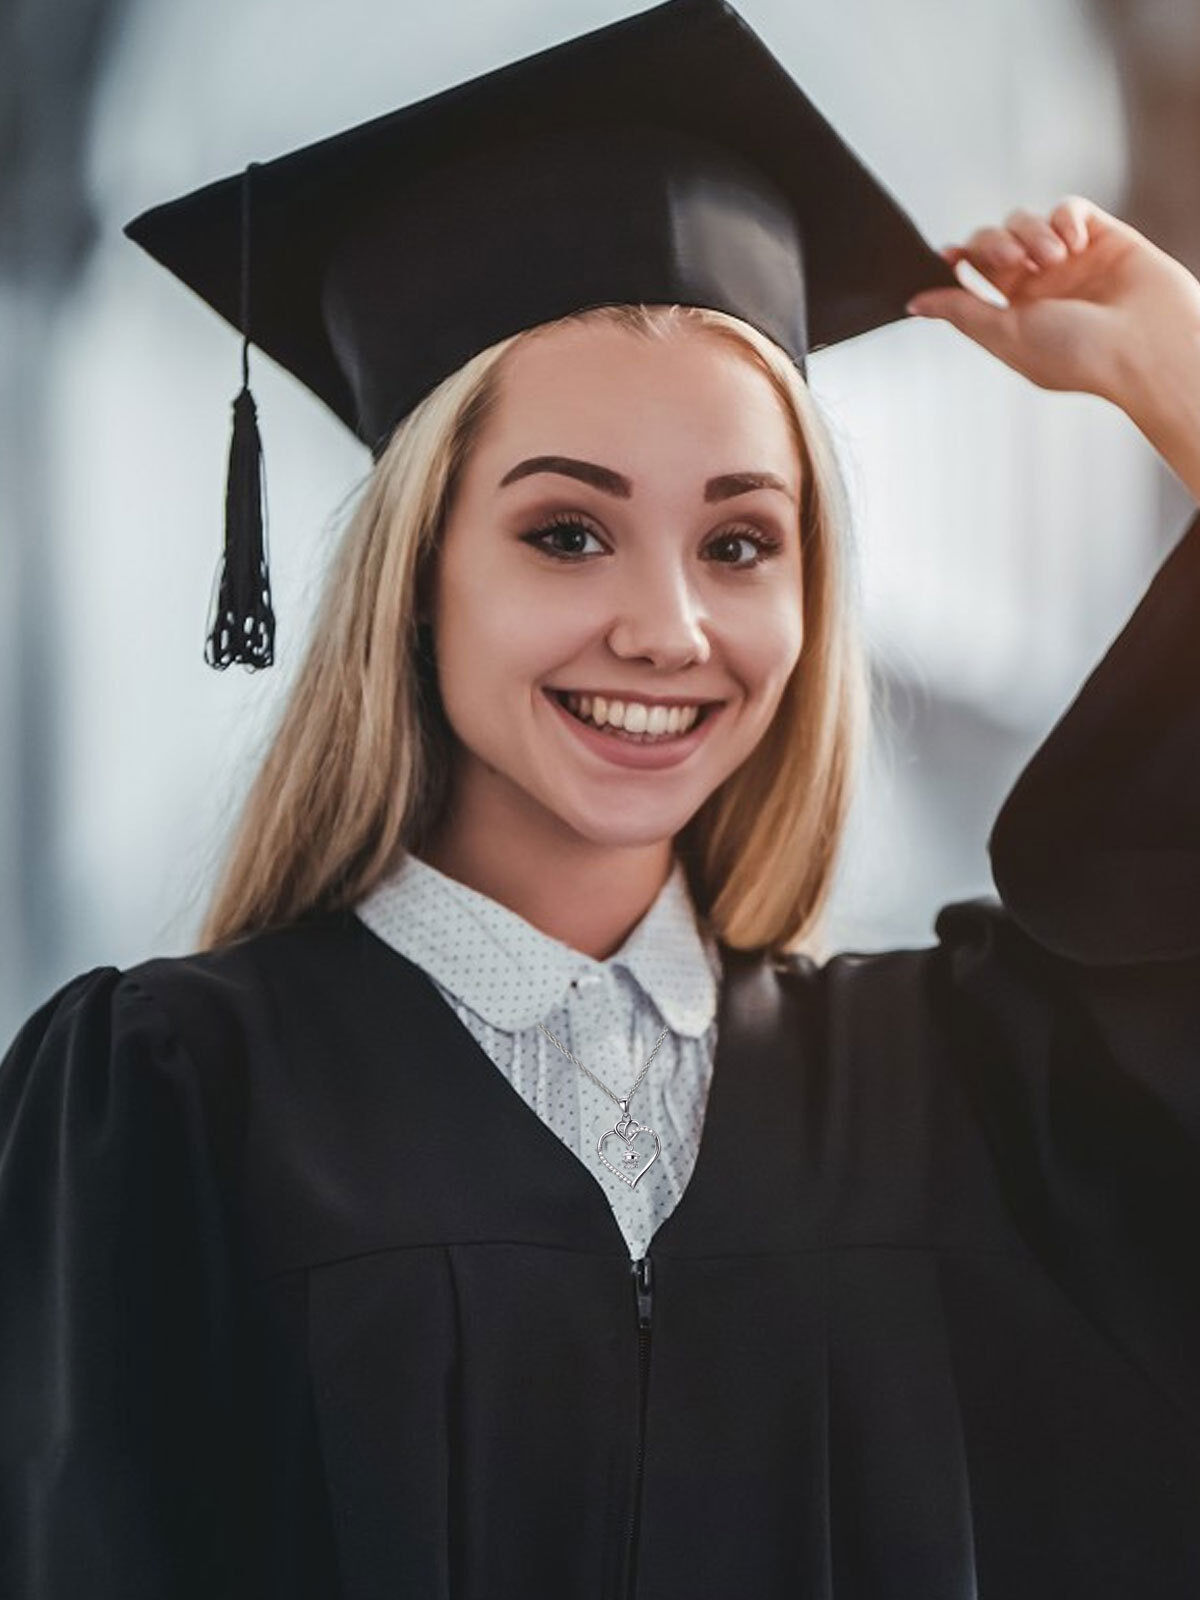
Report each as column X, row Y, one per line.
column 645, row 757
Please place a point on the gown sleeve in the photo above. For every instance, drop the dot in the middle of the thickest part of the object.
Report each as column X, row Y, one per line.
column 115, row 1309
column 1079, row 997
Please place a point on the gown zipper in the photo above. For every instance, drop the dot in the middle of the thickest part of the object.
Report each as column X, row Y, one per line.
column 643, row 1291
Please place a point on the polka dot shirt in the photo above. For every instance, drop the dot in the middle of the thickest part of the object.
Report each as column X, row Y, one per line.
column 501, row 975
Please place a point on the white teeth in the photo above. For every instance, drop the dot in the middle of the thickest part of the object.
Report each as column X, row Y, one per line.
column 633, row 716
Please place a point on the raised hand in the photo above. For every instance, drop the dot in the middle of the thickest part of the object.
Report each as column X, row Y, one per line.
column 1092, row 305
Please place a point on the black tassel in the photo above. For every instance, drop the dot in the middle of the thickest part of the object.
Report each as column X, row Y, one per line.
column 243, row 622
column 242, row 627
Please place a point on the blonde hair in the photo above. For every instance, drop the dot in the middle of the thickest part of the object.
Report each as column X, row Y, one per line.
column 358, row 769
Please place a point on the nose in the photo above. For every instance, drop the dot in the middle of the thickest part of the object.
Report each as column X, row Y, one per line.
column 660, row 621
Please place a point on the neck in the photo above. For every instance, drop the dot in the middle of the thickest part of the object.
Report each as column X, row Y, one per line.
column 587, row 896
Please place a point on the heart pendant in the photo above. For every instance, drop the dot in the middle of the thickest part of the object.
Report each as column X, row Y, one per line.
column 632, row 1146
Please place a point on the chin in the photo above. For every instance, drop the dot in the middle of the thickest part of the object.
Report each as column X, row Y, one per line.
column 629, row 831
column 626, row 838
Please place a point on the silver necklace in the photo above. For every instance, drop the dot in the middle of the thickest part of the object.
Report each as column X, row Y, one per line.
column 637, row 1147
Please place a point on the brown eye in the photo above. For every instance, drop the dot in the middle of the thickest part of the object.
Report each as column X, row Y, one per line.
column 569, row 535
column 761, row 546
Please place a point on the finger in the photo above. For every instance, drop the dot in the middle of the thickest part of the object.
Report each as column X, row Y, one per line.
column 1070, row 219
column 1094, row 221
column 987, row 324
column 991, row 249
column 1000, row 258
column 1037, row 236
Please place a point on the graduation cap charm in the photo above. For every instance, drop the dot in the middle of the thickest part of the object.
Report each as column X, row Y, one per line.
column 667, row 157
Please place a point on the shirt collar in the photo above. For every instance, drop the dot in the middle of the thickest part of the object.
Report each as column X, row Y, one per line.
column 421, row 912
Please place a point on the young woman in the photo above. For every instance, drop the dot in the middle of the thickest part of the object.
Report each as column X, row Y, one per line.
column 505, row 1201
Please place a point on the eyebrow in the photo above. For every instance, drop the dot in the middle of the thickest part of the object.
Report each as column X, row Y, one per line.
column 723, row 487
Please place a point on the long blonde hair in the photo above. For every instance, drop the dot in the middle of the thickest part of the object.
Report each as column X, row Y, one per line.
column 358, row 769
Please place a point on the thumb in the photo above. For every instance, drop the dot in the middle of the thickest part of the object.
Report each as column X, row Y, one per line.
column 979, row 319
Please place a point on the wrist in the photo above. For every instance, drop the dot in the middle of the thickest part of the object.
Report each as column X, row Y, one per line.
column 1159, row 390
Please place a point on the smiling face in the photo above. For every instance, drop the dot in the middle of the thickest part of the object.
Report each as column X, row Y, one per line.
column 625, row 530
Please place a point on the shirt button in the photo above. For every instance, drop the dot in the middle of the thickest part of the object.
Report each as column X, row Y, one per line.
column 588, row 980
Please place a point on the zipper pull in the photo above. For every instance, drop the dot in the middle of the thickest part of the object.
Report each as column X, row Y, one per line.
column 643, row 1285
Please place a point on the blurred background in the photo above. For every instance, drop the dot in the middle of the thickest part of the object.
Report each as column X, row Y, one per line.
column 1003, row 534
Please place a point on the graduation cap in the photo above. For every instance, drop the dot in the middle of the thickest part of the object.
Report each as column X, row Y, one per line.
column 667, row 157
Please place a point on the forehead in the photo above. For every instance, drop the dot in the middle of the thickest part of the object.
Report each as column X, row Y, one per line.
column 691, row 395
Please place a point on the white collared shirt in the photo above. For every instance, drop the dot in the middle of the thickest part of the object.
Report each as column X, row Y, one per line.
column 502, row 976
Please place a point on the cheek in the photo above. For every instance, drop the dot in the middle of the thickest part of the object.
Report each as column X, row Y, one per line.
column 496, row 638
column 765, row 649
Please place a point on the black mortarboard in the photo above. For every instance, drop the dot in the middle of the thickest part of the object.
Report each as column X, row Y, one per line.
column 666, row 157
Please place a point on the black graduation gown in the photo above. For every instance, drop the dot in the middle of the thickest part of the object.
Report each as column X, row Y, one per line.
column 298, row 1298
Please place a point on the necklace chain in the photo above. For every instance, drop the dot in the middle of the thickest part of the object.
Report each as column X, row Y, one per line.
column 617, row 1100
